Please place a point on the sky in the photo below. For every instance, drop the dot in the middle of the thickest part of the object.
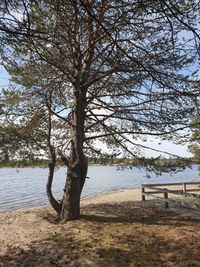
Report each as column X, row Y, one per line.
column 179, row 150
column 4, row 77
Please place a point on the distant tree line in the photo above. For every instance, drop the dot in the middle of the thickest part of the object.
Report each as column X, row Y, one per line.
column 119, row 162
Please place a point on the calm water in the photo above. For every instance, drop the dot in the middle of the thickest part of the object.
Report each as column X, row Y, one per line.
column 24, row 188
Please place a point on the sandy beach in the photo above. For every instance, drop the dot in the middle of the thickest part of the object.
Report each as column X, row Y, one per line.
column 116, row 229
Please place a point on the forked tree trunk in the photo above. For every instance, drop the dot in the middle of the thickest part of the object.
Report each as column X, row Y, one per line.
column 77, row 167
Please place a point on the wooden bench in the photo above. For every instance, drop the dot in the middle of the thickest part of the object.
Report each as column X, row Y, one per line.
column 157, row 189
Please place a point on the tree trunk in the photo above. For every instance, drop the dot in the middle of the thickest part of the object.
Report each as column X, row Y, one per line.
column 77, row 167
column 72, row 191
column 54, row 203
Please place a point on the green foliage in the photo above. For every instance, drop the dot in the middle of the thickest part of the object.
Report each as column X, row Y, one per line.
column 22, row 133
column 194, row 147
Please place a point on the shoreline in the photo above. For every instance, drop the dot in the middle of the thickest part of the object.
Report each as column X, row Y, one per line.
column 113, row 196
column 96, row 199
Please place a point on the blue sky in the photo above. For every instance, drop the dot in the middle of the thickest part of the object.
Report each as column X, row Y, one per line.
column 4, row 77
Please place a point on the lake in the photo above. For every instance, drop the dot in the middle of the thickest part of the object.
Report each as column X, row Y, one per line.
column 25, row 187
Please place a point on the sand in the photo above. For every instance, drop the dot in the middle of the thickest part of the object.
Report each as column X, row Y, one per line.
column 116, row 229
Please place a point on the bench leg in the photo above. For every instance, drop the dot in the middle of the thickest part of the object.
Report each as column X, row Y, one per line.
column 165, row 199
column 143, row 196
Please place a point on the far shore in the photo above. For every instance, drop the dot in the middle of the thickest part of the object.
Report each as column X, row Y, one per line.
column 21, row 165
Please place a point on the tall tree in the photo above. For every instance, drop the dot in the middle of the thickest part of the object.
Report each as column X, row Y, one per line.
column 102, row 70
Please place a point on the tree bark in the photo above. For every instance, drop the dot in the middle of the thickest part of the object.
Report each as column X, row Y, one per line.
column 72, row 191
column 54, row 203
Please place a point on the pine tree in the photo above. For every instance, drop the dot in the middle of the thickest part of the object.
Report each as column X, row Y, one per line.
column 102, row 70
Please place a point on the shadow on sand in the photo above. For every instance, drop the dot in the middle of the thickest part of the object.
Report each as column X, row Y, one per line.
column 125, row 234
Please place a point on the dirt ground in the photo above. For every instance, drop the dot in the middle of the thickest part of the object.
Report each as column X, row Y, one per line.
column 113, row 231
